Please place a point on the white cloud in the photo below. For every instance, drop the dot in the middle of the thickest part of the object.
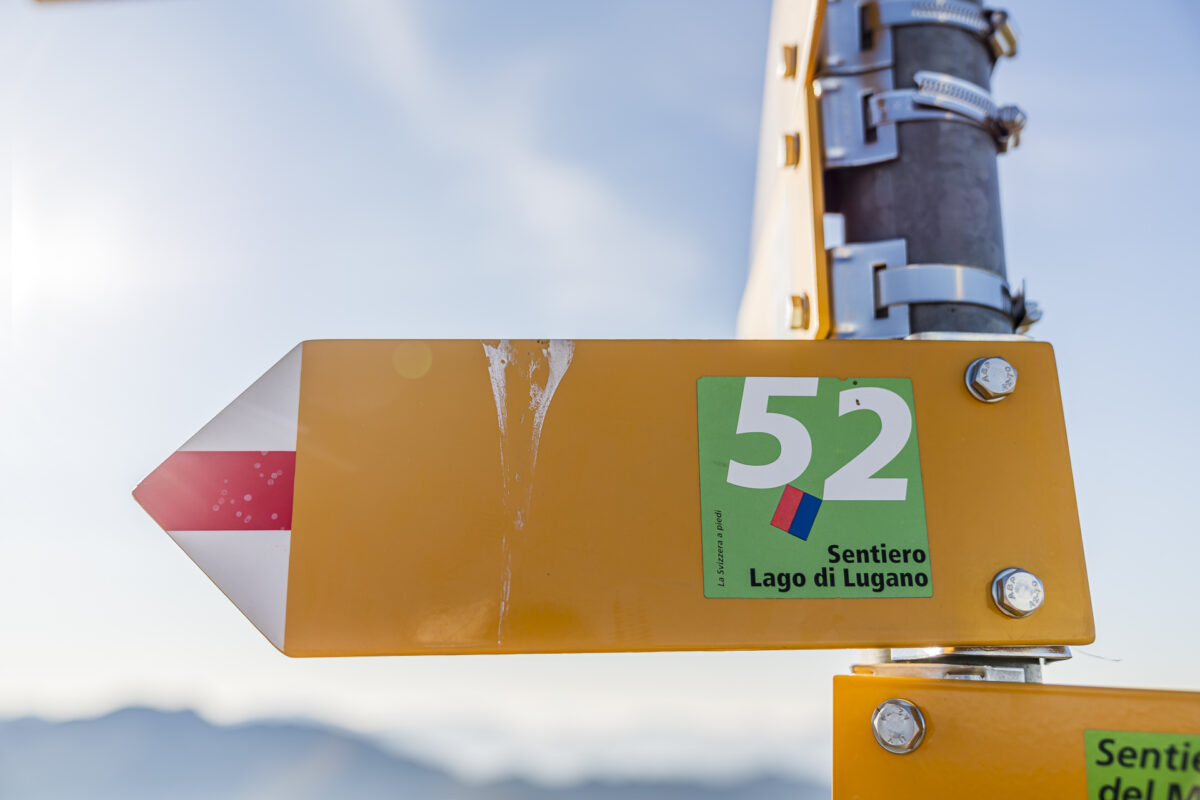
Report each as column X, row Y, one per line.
column 580, row 246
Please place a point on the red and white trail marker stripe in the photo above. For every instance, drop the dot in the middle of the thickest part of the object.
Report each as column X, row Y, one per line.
column 226, row 496
column 222, row 490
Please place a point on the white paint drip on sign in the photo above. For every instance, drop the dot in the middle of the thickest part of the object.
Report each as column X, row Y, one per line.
column 555, row 358
column 498, row 358
column 558, row 355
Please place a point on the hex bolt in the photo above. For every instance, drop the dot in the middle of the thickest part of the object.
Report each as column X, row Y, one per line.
column 898, row 726
column 991, row 379
column 1018, row 593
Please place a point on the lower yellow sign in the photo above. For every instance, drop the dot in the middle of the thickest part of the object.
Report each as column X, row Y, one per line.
column 1003, row 740
column 404, row 497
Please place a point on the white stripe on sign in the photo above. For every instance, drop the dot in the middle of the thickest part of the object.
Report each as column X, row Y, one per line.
column 250, row 567
column 264, row 417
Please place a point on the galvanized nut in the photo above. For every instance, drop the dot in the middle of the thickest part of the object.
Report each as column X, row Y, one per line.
column 898, row 726
column 991, row 379
column 1018, row 593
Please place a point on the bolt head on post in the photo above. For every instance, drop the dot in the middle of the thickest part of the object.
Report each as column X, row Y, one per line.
column 789, row 61
column 991, row 379
column 801, row 309
column 1018, row 593
column 898, row 726
column 789, row 150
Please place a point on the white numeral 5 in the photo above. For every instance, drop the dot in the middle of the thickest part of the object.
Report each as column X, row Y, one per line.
column 795, row 445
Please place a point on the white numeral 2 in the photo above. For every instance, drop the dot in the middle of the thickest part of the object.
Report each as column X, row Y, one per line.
column 854, row 481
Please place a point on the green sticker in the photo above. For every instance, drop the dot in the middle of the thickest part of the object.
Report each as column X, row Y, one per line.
column 1132, row 765
column 811, row 487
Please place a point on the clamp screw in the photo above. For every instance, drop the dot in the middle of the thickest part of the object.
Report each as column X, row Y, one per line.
column 991, row 379
column 1011, row 121
column 1018, row 593
column 898, row 726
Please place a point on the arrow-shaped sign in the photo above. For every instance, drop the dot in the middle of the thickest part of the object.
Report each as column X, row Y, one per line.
column 225, row 497
column 389, row 497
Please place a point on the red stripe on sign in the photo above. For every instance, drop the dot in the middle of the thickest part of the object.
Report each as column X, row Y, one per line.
column 785, row 512
column 196, row 490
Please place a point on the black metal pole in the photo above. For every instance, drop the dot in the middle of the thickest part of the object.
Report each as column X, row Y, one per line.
column 942, row 194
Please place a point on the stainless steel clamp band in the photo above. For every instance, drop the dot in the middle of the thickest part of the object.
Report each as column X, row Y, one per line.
column 941, row 283
column 856, row 37
column 893, row 13
column 989, row 24
column 944, row 97
column 859, row 113
column 869, row 280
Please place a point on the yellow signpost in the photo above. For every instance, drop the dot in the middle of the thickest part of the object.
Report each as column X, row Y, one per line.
column 546, row 496
column 1005, row 740
column 787, row 295
column 426, row 497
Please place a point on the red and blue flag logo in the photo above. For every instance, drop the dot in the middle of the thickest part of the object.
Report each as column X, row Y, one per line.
column 796, row 512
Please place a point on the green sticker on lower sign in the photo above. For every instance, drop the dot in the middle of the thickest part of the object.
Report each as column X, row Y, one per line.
column 811, row 487
column 1133, row 765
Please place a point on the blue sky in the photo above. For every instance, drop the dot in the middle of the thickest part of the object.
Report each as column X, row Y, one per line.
column 197, row 185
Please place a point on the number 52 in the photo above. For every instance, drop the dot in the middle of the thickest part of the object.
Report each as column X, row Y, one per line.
column 853, row 481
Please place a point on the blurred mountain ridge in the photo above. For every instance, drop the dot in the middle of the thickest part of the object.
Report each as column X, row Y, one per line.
column 137, row 753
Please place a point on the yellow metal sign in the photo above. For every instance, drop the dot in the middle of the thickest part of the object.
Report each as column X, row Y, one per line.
column 393, row 497
column 1005, row 740
column 786, row 294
